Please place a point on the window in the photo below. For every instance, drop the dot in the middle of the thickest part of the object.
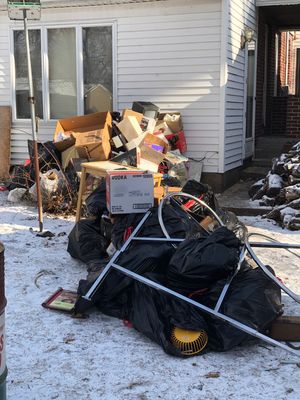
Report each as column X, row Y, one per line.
column 62, row 72
column 97, row 65
column 21, row 77
column 76, row 73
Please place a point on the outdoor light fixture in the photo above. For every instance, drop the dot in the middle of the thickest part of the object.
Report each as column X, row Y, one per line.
column 247, row 36
column 30, row 10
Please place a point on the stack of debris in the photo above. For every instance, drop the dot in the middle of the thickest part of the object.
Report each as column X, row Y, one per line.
column 142, row 138
column 198, row 268
column 281, row 189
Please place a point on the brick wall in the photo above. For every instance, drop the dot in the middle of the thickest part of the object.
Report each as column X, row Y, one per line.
column 292, row 63
column 286, row 116
column 263, row 127
column 270, row 78
column 282, row 43
column 260, row 71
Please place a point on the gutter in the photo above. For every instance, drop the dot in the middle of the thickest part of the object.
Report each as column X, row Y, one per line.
column 89, row 3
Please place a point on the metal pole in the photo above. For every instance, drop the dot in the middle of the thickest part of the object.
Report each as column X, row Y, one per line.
column 202, row 307
column 31, row 100
column 3, row 368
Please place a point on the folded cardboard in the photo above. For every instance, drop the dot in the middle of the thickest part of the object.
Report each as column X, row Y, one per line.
column 131, row 113
column 93, row 145
column 130, row 128
column 68, row 129
column 151, row 152
column 286, row 328
column 128, row 158
column 98, row 99
column 129, row 192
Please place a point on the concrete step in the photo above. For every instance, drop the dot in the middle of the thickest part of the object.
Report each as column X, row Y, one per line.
column 272, row 146
column 262, row 162
column 237, row 200
column 254, row 172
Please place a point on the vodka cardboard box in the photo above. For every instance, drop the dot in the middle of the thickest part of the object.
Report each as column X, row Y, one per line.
column 129, row 192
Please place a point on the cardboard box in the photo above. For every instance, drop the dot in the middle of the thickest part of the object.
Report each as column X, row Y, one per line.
column 162, row 127
column 68, row 129
column 134, row 143
column 130, row 128
column 148, row 124
column 172, row 119
column 93, row 145
column 131, row 113
column 129, row 192
column 67, row 155
column 151, row 152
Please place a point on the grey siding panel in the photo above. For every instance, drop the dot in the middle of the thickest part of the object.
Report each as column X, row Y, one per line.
column 241, row 13
column 166, row 52
column 176, row 64
column 5, row 92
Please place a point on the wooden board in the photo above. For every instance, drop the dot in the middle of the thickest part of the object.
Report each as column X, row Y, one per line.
column 5, row 127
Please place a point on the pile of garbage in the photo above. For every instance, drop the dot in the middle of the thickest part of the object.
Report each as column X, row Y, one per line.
column 280, row 189
column 197, row 268
column 140, row 137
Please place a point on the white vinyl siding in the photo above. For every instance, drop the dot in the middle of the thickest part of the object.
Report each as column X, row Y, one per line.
column 167, row 52
column 242, row 13
column 5, row 91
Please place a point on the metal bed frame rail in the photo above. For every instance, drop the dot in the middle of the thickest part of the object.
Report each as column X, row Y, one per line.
column 215, row 312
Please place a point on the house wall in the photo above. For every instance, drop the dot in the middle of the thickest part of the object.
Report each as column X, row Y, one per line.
column 4, row 63
column 276, row 2
column 166, row 52
column 241, row 14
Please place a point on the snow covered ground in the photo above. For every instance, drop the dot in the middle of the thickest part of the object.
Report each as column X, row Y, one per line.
column 52, row 356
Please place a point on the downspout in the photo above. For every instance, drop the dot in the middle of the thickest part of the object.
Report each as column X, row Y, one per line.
column 223, row 83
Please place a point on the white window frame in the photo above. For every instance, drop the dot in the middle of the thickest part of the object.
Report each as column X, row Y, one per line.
column 45, row 64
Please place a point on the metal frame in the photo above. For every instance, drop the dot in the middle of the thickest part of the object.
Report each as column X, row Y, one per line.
column 215, row 312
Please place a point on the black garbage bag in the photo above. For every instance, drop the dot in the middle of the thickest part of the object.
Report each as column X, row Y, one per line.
column 198, row 263
column 155, row 314
column 48, row 155
column 96, row 201
column 252, row 298
column 86, row 242
column 178, row 224
column 141, row 257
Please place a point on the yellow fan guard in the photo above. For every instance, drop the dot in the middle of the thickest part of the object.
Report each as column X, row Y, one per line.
column 189, row 342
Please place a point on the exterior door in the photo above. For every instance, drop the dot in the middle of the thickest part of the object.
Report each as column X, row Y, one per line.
column 249, row 99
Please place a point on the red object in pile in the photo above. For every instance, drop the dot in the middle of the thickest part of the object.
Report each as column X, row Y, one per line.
column 127, row 323
column 178, row 141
